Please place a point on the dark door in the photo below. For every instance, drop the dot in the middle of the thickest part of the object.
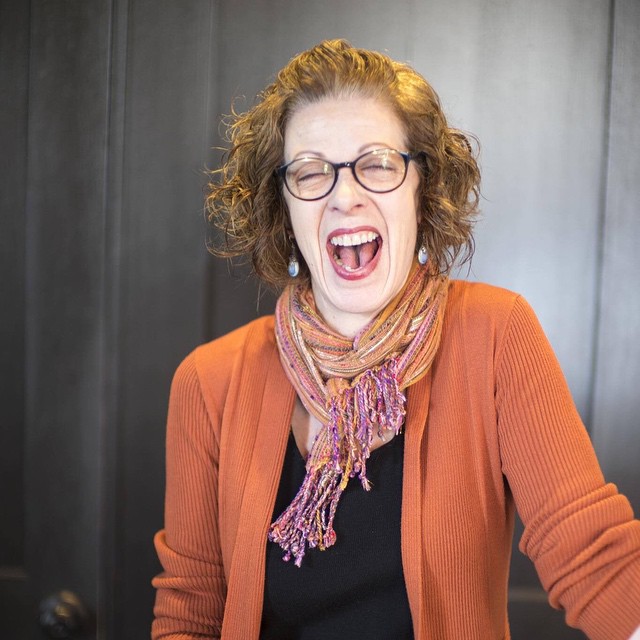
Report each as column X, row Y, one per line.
column 52, row 274
column 104, row 288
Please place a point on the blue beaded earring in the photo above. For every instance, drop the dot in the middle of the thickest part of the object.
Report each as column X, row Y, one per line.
column 294, row 266
column 423, row 255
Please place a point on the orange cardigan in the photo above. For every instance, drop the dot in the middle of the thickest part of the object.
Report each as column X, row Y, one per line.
column 491, row 425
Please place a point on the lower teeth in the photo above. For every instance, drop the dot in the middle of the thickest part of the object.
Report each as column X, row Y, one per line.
column 346, row 267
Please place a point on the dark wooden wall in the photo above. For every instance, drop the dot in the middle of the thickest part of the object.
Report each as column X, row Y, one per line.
column 109, row 112
column 14, row 74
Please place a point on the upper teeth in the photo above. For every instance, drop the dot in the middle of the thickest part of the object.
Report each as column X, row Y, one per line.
column 351, row 239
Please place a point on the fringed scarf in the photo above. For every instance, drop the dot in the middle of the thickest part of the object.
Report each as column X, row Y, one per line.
column 352, row 387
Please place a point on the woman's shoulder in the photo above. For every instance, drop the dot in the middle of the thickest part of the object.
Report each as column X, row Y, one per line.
column 210, row 365
column 252, row 341
column 484, row 310
column 480, row 299
column 255, row 336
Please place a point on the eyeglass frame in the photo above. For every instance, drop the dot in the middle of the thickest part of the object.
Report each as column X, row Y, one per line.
column 281, row 171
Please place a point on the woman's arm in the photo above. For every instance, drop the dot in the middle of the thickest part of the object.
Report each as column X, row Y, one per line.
column 579, row 531
column 191, row 590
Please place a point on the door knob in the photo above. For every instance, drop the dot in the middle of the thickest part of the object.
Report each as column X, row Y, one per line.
column 63, row 615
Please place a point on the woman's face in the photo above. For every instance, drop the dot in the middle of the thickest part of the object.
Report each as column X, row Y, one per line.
column 359, row 246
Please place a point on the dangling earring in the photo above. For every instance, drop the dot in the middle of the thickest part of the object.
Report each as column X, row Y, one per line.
column 294, row 265
column 423, row 255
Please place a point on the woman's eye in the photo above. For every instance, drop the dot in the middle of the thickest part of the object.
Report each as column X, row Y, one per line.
column 309, row 175
column 311, row 172
column 379, row 167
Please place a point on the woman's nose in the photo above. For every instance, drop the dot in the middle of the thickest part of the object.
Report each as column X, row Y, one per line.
column 347, row 192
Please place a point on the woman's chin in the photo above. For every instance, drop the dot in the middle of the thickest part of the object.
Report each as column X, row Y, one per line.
column 349, row 298
column 347, row 309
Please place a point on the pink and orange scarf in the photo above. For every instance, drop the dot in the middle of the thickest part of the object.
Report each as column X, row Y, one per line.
column 355, row 388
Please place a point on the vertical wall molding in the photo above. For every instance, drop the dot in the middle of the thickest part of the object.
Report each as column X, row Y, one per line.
column 616, row 398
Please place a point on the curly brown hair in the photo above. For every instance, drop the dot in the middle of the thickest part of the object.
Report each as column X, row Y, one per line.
column 245, row 198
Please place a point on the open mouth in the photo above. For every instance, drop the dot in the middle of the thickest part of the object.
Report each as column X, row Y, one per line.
column 354, row 251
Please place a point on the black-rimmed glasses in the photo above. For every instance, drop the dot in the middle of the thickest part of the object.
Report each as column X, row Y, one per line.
column 379, row 171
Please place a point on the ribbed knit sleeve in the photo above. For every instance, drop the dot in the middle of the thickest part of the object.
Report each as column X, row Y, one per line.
column 579, row 531
column 191, row 590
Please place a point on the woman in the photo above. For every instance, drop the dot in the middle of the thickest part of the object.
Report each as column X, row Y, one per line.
column 349, row 467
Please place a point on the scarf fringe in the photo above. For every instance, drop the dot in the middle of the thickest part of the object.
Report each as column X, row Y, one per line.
column 373, row 398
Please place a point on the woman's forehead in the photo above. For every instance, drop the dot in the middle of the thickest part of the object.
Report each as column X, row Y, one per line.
column 342, row 124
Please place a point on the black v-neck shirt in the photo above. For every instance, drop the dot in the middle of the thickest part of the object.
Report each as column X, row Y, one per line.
column 354, row 589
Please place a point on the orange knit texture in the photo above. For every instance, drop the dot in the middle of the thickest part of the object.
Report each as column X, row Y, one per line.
column 491, row 426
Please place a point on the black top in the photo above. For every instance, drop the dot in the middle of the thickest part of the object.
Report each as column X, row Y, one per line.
column 354, row 589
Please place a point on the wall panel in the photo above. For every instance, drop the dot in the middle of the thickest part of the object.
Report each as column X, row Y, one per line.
column 530, row 80
column 64, row 265
column 169, row 79
column 616, row 430
column 14, row 63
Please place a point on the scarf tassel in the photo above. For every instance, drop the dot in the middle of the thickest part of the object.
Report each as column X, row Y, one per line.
column 373, row 398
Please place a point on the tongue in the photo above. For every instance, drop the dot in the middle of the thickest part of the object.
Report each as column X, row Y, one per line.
column 367, row 251
column 348, row 256
column 357, row 256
